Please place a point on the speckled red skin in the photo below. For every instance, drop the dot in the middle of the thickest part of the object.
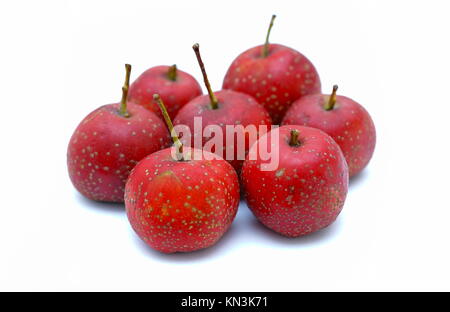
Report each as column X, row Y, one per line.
column 348, row 123
column 106, row 146
column 181, row 206
column 307, row 191
column 275, row 81
column 234, row 108
column 175, row 94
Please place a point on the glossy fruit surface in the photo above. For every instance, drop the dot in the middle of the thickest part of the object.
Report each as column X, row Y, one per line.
column 175, row 90
column 234, row 109
column 276, row 80
column 307, row 190
column 180, row 206
column 106, row 146
column 348, row 123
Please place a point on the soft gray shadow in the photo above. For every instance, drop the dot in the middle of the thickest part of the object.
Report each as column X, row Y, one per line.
column 193, row 256
column 102, row 206
column 314, row 238
column 359, row 178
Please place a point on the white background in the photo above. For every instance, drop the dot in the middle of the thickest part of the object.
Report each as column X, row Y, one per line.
column 62, row 59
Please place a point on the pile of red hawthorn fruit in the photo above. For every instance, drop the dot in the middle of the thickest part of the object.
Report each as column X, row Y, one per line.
column 121, row 152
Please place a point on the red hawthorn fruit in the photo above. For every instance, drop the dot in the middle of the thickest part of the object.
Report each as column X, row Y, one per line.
column 275, row 75
column 108, row 143
column 346, row 121
column 181, row 204
column 175, row 87
column 223, row 108
column 308, row 189
column 234, row 108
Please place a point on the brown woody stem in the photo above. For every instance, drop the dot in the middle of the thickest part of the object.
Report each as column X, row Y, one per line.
column 294, row 141
column 172, row 73
column 332, row 99
column 212, row 97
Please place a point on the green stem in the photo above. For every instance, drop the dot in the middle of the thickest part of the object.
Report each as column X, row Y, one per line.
column 332, row 99
column 172, row 73
column 173, row 134
column 212, row 97
column 294, row 141
column 265, row 51
column 123, row 103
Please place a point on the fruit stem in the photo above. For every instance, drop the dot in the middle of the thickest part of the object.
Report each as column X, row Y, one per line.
column 214, row 101
column 265, row 51
column 332, row 100
column 123, row 103
column 173, row 134
column 172, row 73
column 294, row 141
